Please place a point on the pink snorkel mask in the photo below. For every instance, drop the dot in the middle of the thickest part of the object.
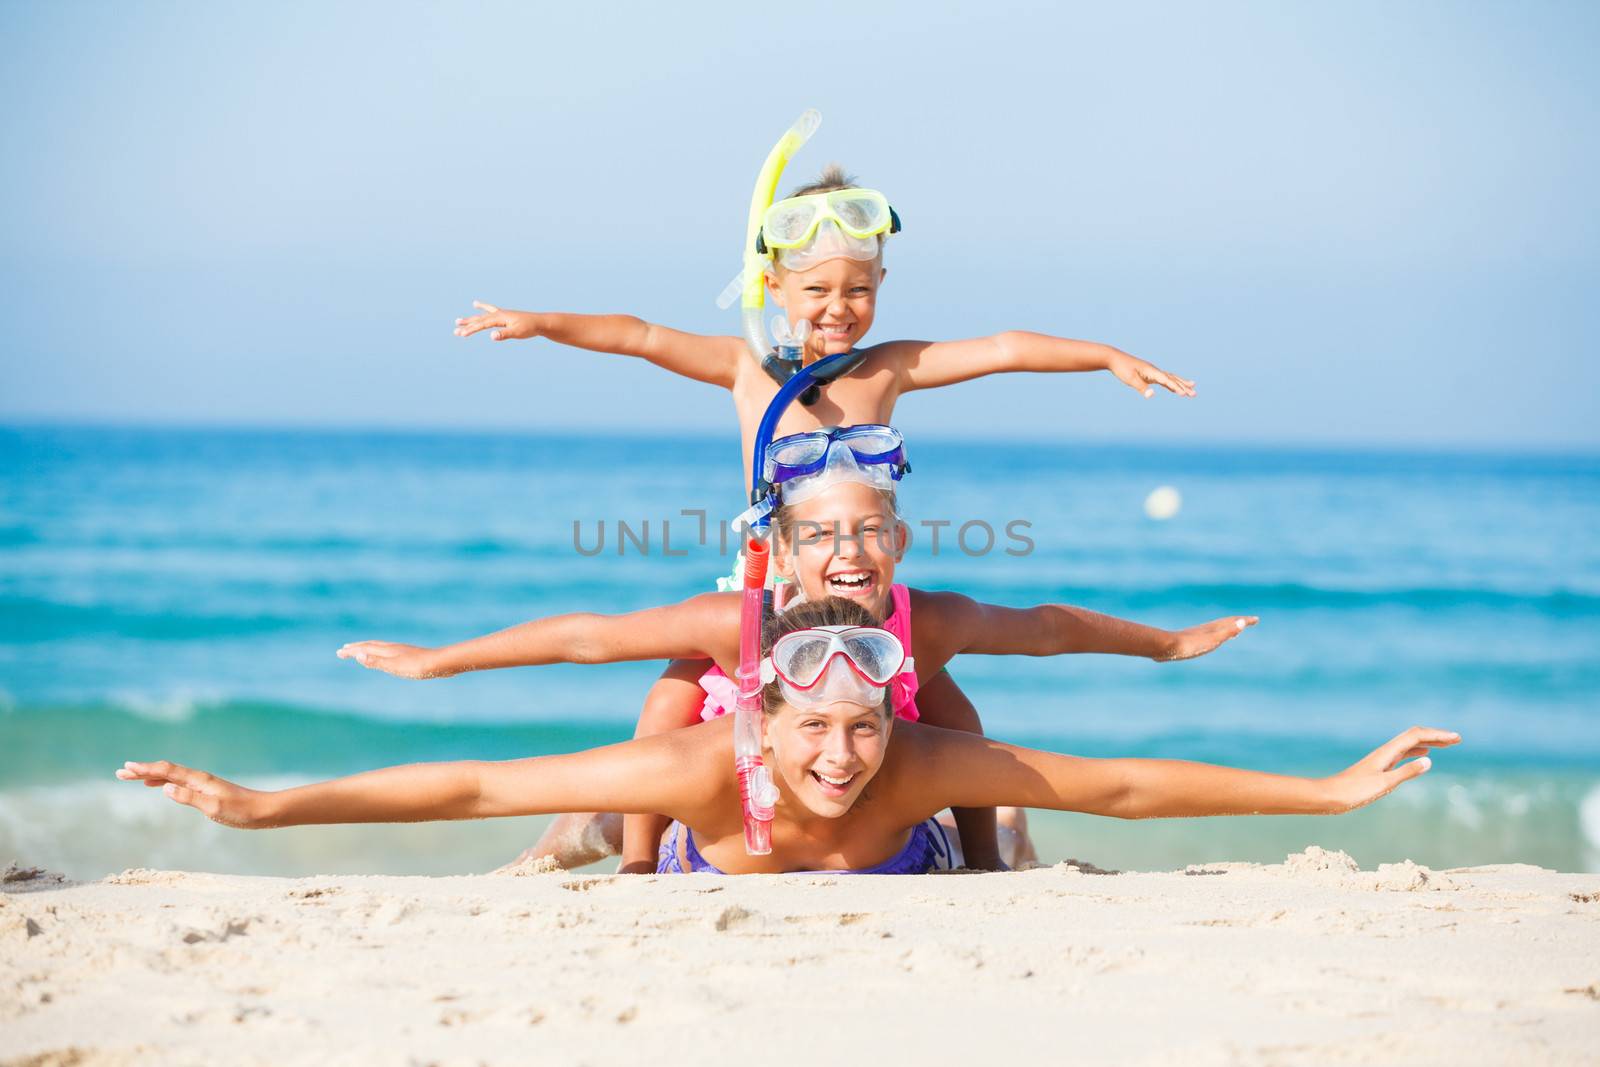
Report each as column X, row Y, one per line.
column 832, row 664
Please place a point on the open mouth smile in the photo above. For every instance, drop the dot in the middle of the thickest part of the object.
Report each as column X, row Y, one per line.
column 851, row 583
column 831, row 786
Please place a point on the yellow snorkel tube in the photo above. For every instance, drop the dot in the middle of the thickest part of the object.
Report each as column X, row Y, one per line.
column 749, row 287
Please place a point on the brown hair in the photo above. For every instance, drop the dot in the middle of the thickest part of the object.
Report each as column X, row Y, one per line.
column 831, row 611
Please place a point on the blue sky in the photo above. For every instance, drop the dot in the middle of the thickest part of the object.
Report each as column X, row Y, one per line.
column 1358, row 223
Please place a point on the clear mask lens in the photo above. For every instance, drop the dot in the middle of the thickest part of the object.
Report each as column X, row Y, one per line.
column 861, row 215
column 830, row 242
column 839, row 685
column 841, row 467
column 825, row 665
column 788, row 222
column 871, row 442
column 798, row 452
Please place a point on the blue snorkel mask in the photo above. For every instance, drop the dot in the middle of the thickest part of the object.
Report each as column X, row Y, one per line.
column 802, row 465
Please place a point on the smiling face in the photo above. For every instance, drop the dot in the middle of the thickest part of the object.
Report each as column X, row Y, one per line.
column 824, row 757
column 839, row 298
column 843, row 542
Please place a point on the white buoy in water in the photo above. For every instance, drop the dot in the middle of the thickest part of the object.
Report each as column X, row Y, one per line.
column 1162, row 503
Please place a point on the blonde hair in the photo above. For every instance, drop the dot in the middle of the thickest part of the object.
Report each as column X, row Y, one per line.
column 832, row 178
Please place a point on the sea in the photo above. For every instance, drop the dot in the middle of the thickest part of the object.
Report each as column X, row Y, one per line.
column 179, row 594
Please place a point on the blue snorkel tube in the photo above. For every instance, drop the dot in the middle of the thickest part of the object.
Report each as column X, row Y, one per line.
column 761, row 491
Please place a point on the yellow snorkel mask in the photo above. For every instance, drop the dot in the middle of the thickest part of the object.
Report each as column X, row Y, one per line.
column 799, row 233
column 802, row 231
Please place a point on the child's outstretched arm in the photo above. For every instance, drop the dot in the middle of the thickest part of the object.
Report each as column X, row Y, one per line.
column 965, row 625
column 643, row 775
column 968, row 769
column 687, row 630
column 705, row 359
column 930, row 364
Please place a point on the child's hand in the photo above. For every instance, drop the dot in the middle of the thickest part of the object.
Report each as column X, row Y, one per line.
column 1140, row 375
column 1382, row 771
column 402, row 661
column 1198, row 640
column 507, row 325
column 216, row 799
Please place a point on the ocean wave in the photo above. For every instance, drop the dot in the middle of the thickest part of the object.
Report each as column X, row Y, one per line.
column 1261, row 597
column 28, row 621
column 1589, row 817
column 246, row 544
column 14, row 536
column 282, row 606
column 178, row 706
column 91, row 829
column 1337, row 676
column 52, row 743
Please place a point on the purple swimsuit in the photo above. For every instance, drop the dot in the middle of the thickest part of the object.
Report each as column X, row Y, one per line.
column 928, row 850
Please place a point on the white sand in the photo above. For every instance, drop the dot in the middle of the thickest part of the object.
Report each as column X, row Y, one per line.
column 1306, row 962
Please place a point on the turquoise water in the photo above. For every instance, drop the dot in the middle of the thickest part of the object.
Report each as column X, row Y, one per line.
column 180, row 593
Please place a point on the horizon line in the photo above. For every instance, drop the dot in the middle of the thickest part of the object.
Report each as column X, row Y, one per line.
column 1546, row 449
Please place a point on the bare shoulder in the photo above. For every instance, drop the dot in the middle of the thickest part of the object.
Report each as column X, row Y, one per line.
column 920, row 760
column 714, row 616
column 729, row 348
column 940, row 613
column 939, row 601
column 897, row 350
column 713, row 608
column 711, row 359
column 889, row 357
column 704, row 745
column 746, row 371
column 702, row 756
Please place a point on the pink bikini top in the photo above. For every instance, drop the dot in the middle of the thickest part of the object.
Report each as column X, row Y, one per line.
column 721, row 692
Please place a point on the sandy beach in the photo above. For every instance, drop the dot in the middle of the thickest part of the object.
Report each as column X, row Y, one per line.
column 1308, row 961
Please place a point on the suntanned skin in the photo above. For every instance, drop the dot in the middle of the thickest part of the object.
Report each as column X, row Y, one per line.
column 840, row 298
column 855, row 538
column 582, row 838
column 686, row 774
column 706, row 626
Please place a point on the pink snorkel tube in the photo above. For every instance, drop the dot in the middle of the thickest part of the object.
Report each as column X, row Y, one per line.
column 757, row 794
